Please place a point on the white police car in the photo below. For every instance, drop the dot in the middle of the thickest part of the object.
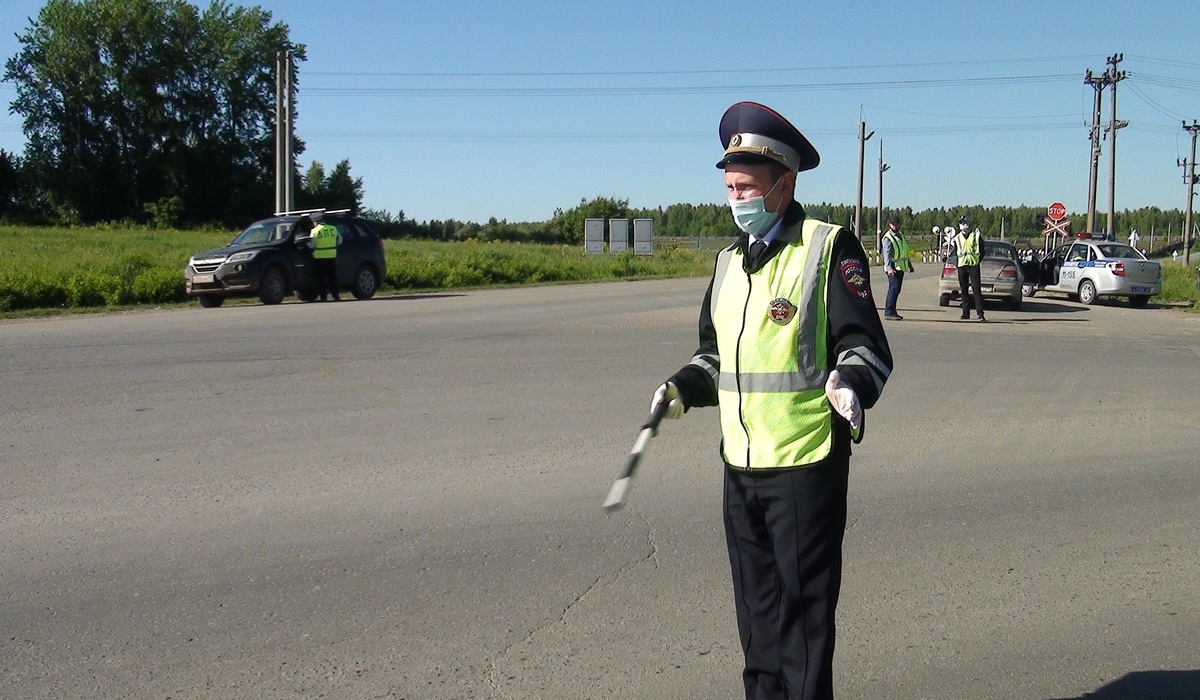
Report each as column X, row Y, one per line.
column 1088, row 269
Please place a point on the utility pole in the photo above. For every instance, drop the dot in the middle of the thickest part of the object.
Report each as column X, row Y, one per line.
column 1189, row 176
column 1114, row 76
column 862, row 144
column 285, row 100
column 883, row 167
column 1097, row 83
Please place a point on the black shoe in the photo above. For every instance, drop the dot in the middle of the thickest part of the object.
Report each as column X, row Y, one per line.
column 965, row 317
column 893, row 317
column 337, row 298
column 981, row 319
column 324, row 299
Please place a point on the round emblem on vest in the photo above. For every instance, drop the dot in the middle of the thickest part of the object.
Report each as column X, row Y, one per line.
column 781, row 311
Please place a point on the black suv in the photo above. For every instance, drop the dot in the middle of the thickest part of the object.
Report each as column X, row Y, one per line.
column 273, row 258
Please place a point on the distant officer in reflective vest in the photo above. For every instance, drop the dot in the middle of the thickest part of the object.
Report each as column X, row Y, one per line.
column 969, row 248
column 792, row 351
column 325, row 241
column 895, row 263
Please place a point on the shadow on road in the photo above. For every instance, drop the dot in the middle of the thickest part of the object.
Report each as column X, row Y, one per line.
column 415, row 296
column 994, row 320
column 1049, row 306
column 1149, row 685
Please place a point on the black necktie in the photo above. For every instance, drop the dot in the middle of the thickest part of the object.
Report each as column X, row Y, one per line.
column 756, row 251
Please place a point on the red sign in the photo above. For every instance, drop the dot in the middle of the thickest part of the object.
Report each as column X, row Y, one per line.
column 1056, row 211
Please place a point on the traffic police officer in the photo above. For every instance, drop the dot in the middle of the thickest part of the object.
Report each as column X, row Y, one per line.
column 791, row 350
column 325, row 240
column 896, row 262
column 969, row 249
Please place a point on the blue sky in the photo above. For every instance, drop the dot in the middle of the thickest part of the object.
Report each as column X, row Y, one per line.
column 472, row 110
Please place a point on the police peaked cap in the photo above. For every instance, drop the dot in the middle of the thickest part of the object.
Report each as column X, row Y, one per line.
column 753, row 133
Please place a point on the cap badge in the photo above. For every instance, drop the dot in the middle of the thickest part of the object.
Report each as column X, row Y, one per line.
column 781, row 311
column 735, row 141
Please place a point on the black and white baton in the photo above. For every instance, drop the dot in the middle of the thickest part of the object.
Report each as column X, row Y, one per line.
column 616, row 495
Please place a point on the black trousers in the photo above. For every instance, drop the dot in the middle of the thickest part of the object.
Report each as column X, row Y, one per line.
column 970, row 274
column 327, row 280
column 784, row 532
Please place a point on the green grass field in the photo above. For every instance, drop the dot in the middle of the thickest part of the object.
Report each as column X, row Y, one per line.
column 53, row 270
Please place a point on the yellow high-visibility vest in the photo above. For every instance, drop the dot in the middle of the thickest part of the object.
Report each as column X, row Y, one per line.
column 324, row 241
column 900, row 254
column 968, row 249
column 771, row 328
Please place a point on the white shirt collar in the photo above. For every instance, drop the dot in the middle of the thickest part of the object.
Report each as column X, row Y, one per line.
column 770, row 234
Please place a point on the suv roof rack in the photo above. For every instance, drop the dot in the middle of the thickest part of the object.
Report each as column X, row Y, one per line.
column 322, row 210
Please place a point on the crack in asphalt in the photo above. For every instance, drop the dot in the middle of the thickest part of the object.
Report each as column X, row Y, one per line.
column 612, row 577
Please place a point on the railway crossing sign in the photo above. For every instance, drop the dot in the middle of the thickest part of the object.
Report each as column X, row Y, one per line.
column 1059, row 228
column 1056, row 211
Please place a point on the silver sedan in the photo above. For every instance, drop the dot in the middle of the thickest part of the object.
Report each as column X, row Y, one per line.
column 999, row 275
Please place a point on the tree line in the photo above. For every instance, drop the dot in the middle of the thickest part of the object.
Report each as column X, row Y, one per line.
column 154, row 111
column 684, row 221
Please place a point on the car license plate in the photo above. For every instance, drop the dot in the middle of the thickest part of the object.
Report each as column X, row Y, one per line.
column 1141, row 290
column 202, row 279
column 986, row 287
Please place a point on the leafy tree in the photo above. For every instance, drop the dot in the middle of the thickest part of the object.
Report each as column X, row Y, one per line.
column 338, row 190
column 568, row 226
column 131, row 102
column 312, row 185
column 343, row 191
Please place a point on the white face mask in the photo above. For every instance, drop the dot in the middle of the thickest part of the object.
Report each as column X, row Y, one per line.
column 751, row 215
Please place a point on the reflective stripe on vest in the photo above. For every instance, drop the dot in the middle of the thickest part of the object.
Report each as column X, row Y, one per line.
column 324, row 242
column 771, row 331
column 968, row 249
column 900, row 255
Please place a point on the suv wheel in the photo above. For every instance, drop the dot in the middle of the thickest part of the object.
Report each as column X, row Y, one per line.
column 210, row 301
column 273, row 287
column 366, row 282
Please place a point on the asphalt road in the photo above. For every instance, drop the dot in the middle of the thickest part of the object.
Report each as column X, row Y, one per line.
column 401, row 499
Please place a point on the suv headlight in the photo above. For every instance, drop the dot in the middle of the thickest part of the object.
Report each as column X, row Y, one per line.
column 242, row 257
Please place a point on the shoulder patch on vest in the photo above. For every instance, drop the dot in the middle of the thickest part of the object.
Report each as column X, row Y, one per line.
column 854, row 276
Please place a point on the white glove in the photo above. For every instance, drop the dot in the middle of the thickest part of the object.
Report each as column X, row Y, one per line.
column 843, row 399
column 669, row 393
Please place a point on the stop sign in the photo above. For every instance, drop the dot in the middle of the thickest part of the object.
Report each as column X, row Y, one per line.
column 1056, row 211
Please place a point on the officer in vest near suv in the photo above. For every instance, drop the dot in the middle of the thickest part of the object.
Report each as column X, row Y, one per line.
column 792, row 350
column 968, row 246
column 325, row 242
column 896, row 262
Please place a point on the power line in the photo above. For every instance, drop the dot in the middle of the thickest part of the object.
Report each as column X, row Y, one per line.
column 1167, row 81
column 682, row 90
column 1167, row 62
column 722, row 71
column 648, row 136
column 967, row 116
column 1159, row 108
